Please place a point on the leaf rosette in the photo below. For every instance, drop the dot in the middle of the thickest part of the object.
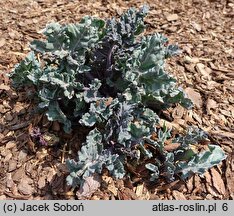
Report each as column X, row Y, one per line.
column 108, row 77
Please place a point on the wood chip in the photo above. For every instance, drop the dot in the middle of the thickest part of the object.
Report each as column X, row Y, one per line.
column 2, row 42
column 210, row 104
column 172, row 17
column 12, row 165
column 197, row 185
column 223, row 133
column 4, row 87
column 19, row 126
column 41, row 182
column 139, row 190
column 189, row 184
column 3, row 197
column 203, row 70
column 22, row 156
column 20, row 197
column 230, row 175
column 18, row 175
column 190, row 60
column 9, row 181
column 194, row 96
column 127, row 194
column 112, row 188
column 172, row 147
column 90, row 185
column 178, row 195
column 178, row 112
column 218, row 181
column 10, row 145
column 207, row 176
column 7, row 158
column 8, row 117
column 110, row 184
column 196, row 26
column 24, row 188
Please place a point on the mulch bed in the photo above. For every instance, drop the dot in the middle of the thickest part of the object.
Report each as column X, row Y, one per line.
column 203, row 30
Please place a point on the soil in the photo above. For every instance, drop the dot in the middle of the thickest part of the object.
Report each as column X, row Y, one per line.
column 203, row 29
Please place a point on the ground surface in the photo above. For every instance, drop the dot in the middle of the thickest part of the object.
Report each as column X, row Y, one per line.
column 204, row 31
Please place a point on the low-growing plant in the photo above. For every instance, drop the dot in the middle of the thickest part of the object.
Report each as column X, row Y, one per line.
column 109, row 77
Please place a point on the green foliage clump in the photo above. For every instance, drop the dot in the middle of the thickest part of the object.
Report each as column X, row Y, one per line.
column 107, row 76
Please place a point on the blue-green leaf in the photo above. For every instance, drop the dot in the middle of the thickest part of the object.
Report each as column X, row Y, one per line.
column 201, row 162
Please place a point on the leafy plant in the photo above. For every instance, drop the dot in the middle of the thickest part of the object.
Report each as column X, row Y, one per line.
column 106, row 76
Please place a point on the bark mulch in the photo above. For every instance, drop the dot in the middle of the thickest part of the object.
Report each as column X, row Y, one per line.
column 203, row 30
